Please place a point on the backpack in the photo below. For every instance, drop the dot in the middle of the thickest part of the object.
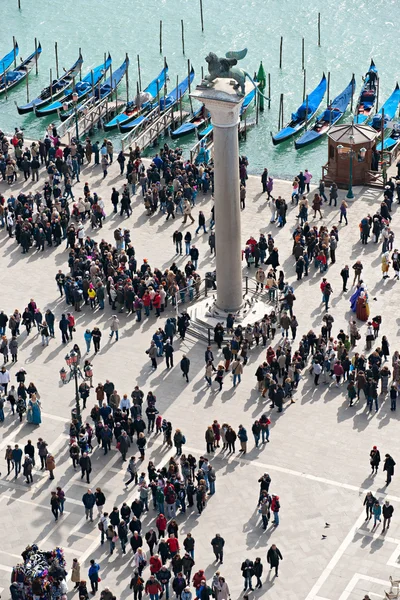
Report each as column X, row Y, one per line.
column 183, row 440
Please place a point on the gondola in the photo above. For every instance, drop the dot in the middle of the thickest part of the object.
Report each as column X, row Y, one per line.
column 389, row 109
column 329, row 117
column 8, row 59
column 101, row 92
column 131, row 110
column 197, row 120
column 366, row 101
column 54, row 91
column 170, row 100
column 14, row 77
column 303, row 114
column 82, row 89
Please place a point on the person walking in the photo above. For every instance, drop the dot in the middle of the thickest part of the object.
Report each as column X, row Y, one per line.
column 247, row 573
column 50, row 465
column 76, row 573
column 376, row 511
column 388, row 466
column 86, row 466
column 273, row 557
column 344, row 274
column 114, row 327
column 258, row 571
column 27, row 469
column 153, row 588
column 387, row 511
column 185, row 366
column 89, row 500
column 218, row 544
column 93, row 575
column 137, row 585
column 242, row 435
column 55, row 505
column 374, row 459
column 343, row 212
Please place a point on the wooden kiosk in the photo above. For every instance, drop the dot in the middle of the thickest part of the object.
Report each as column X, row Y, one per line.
column 351, row 155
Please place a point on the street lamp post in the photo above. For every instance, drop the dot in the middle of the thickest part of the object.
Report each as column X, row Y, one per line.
column 74, row 372
column 350, row 194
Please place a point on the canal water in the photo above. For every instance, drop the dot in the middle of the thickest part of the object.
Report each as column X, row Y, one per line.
column 351, row 33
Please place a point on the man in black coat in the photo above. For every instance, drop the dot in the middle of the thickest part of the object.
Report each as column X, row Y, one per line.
column 388, row 466
column 273, row 557
column 86, row 466
column 344, row 274
column 185, row 365
column 218, row 544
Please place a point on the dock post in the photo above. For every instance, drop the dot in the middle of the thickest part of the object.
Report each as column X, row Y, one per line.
column 269, row 90
column 139, row 72
column 304, row 84
column 15, row 51
column 127, row 78
column 280, row 53
column 160, row 37
column 183, row 37
column 36, row 58
column 302, row 54
column 201, row 16
column 319, row 29
column 56, row 53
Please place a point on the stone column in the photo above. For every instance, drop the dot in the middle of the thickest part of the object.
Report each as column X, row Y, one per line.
column 224, row 106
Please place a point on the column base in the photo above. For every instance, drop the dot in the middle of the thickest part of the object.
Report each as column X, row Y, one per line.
column 207, row 311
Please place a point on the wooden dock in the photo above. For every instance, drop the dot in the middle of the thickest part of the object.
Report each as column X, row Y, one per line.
column 155, row 124
column 88, row 118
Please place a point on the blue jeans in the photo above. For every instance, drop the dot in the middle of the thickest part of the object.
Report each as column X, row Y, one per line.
column 154, row 596
column 88, row 346
column 62, row 502
column 265, row 434
column 112, row 546
column 187, row 247
column 236, row 377
column 101, row 304
column 138, row 315
column 147, row 310
column 247, row 582
column 212, row 487
column 257, row 439
column 264, row 521
column 116, row 334
column 276, row 518
column 165, row 587
column 201, row 226
column 393, row 404
column 133, row 188
column 2, row 330
column 370, row 402
column 160, row 506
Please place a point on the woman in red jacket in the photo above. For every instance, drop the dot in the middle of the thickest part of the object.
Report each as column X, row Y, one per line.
column 157, row 303
column 161, row 524
column 146, row 303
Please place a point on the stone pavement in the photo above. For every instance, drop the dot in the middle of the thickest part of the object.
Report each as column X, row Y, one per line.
column 318, row 457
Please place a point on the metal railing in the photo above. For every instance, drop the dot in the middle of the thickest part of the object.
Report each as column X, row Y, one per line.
column 187, row 296
column 205, row 142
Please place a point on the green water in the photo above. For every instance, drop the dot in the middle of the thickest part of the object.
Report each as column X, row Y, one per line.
column 351, row 33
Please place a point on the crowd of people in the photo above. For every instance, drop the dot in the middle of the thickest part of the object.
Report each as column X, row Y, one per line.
column 103, row 275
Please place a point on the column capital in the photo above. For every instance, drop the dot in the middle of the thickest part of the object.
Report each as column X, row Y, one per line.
column 222, row 101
